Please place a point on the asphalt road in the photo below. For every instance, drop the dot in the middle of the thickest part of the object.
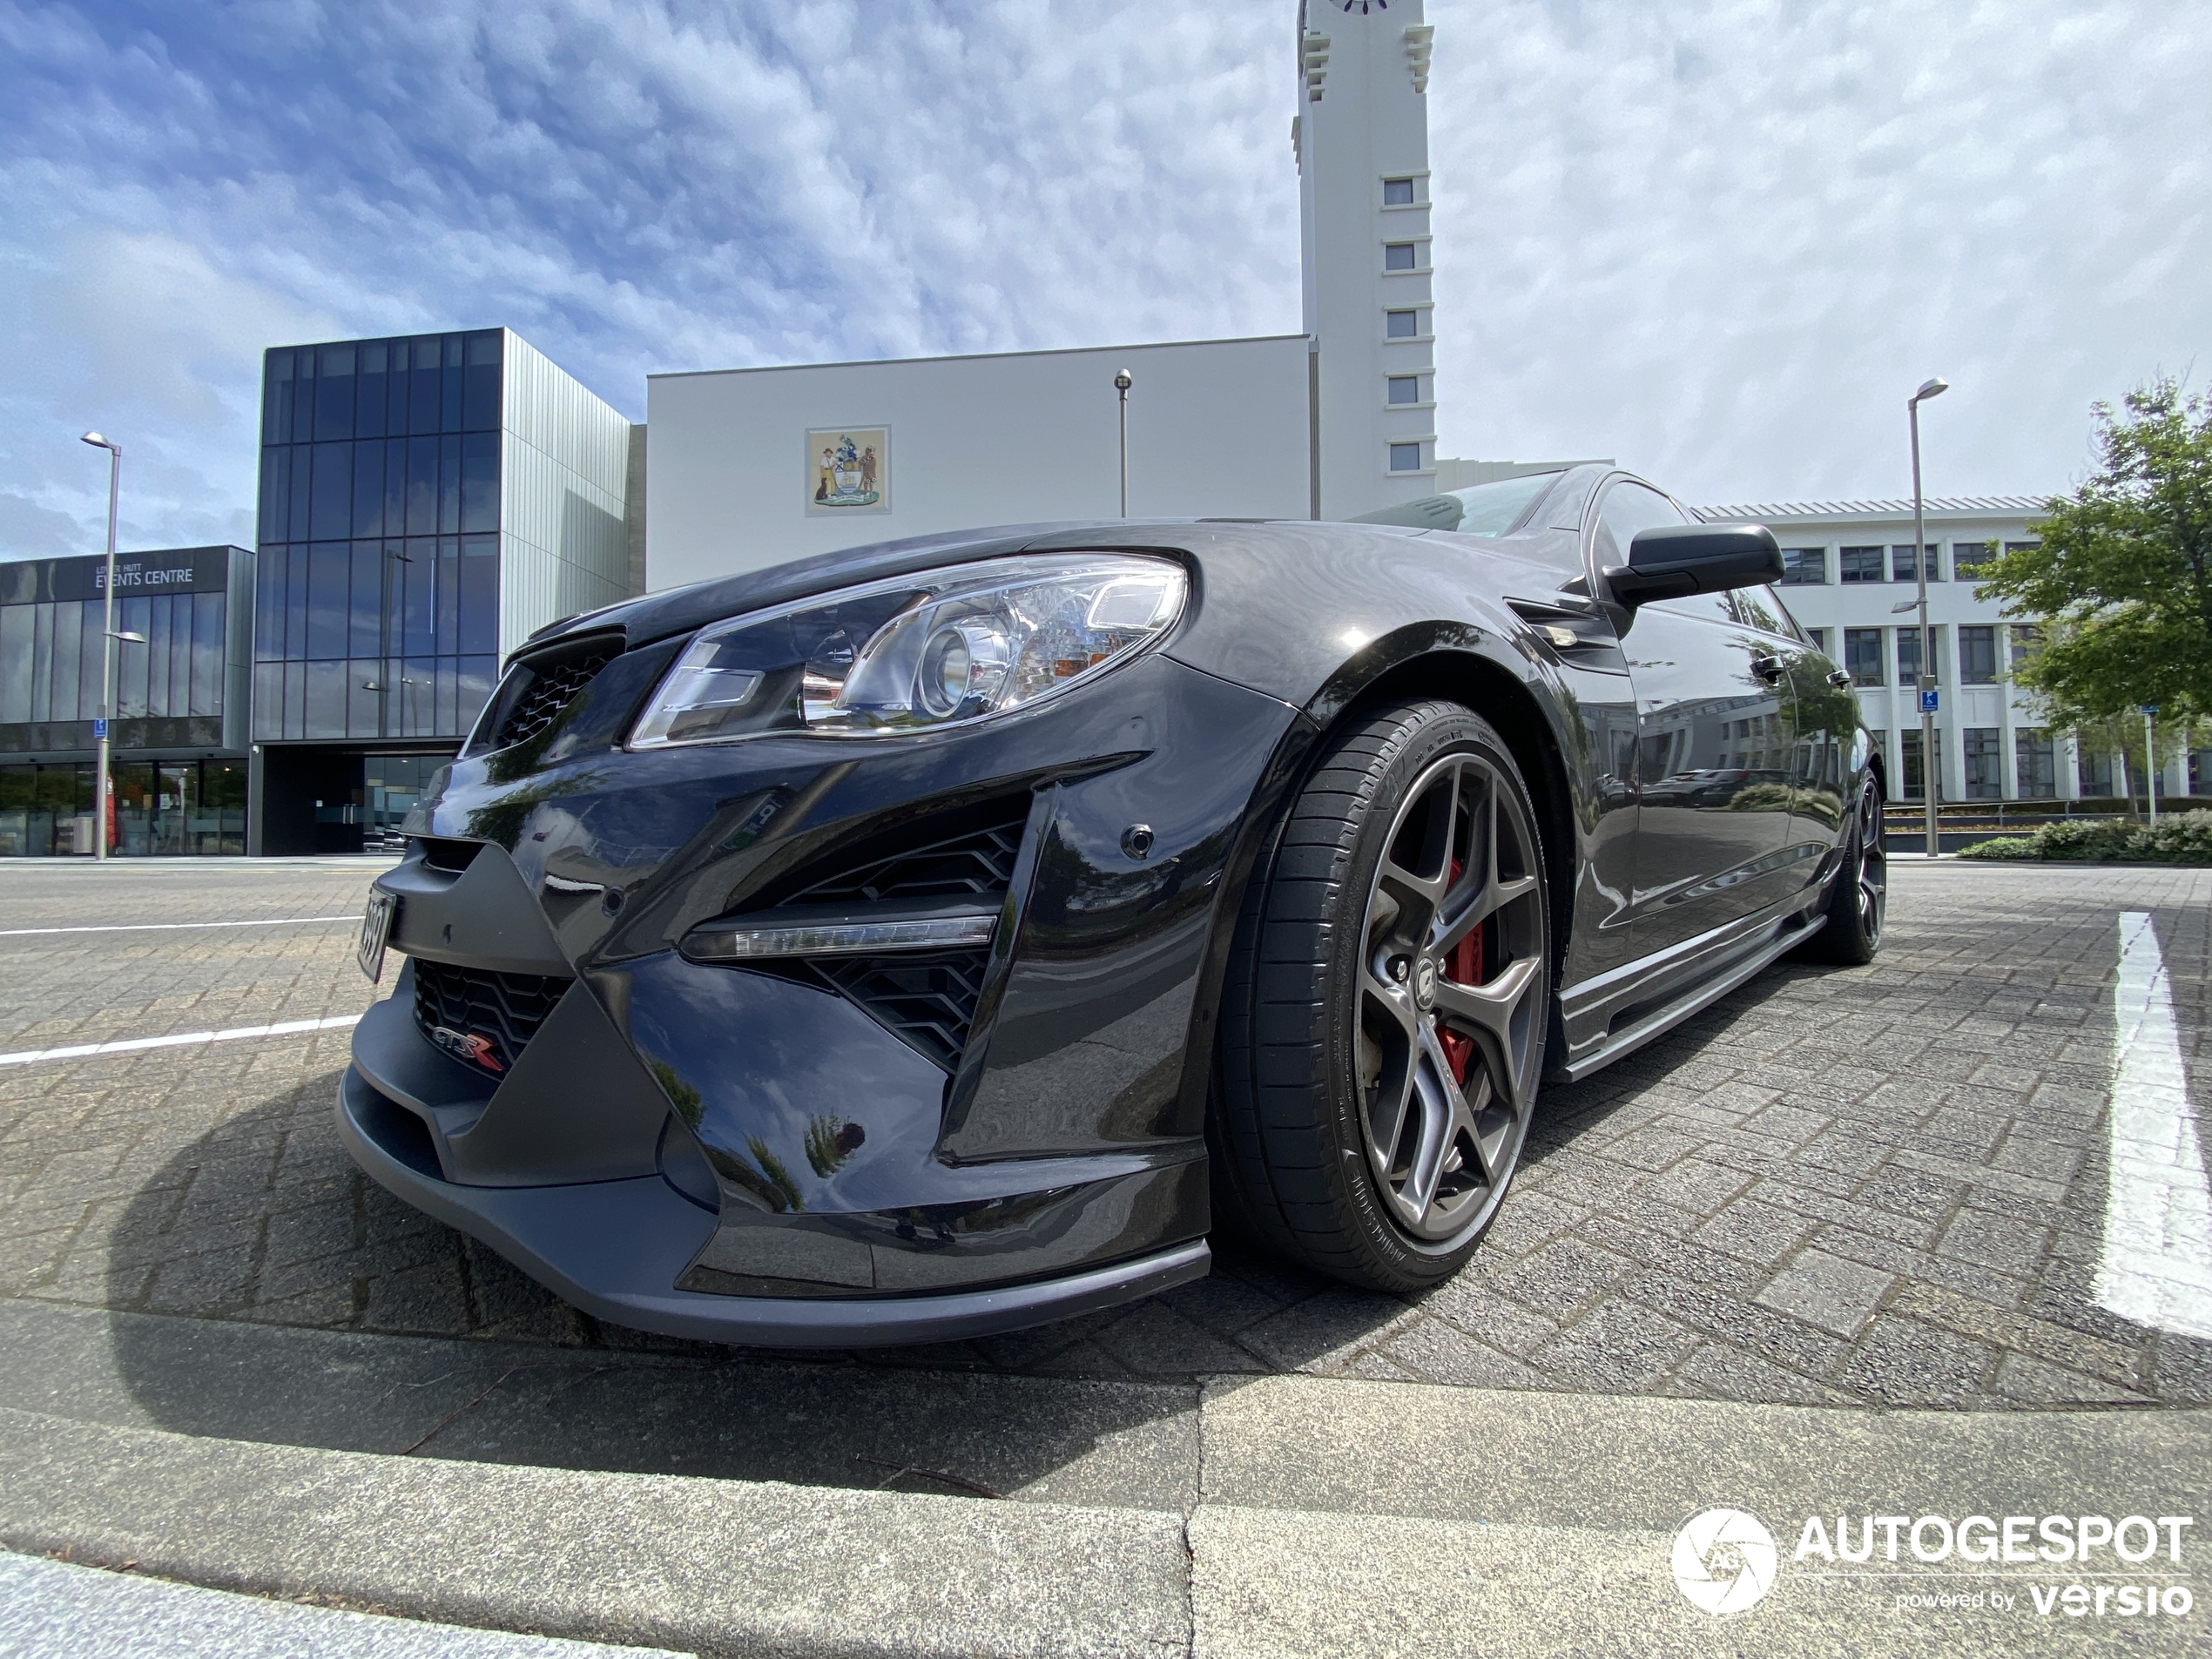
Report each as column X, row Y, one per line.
column 1885, row 1186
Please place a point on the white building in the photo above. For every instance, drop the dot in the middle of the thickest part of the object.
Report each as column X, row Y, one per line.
column 750, row 467
column 1850, row 584
column 735, row 475
column 1361, row 139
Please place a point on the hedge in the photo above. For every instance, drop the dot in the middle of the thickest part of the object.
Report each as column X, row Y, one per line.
column 2183, row 838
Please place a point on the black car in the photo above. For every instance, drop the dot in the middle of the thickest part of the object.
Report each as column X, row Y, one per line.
column 938, row 937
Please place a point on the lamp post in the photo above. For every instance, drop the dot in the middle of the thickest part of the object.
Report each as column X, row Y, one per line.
column 2150, row 758
column 1936, row 385
column 1123, row 381
column 107, row 643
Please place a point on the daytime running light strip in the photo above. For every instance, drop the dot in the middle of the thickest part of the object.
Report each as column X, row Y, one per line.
column 842, row 939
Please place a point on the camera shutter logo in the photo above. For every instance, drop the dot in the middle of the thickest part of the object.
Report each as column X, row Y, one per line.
column 1725, row 1560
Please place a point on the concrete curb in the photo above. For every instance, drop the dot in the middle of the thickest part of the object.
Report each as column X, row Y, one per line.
column 1330, row 1517
column 714, row 1566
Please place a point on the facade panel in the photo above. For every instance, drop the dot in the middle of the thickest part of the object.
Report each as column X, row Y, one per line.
column 426, row 503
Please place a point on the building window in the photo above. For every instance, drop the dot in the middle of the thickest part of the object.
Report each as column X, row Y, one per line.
column 1398, row 192
column 1405, row 388
column 1901, row 564
column 1404, row 458
column 1984, row 755
column 2035, row 762
column 1858, row 564
column 2021, row 547
column 1911, row 769
column 1805, row 567
column 1978, row 656
column 1401, row 325
column 1908, row 655
column 1400, row 256
column 1863, row 655
column 1819, row 637
column 2093, row 769
column 378, row 575
column 2026, row 640
column 1968, row 557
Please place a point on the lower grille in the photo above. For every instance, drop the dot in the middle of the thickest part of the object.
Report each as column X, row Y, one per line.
column 482, row 1019
column 928, row 1000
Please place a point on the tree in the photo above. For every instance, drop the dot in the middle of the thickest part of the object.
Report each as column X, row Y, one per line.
column 2120, row 580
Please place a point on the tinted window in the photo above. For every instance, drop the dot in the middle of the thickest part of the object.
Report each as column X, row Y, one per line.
column 1494, row 509
column 1758, row 608
column 1628, row 508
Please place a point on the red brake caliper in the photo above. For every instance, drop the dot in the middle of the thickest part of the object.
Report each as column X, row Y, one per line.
column 1462, row 965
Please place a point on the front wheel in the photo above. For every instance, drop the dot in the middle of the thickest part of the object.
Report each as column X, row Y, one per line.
column 1385, row 1017
column 1858, row 901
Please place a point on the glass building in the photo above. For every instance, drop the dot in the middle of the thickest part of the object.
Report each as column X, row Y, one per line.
column 426, row 503
column 178, row 731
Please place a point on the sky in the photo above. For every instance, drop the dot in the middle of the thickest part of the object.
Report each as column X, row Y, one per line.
column 1719, row 242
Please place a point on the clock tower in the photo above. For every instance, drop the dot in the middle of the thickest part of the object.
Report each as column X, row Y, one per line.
column 1361, row 137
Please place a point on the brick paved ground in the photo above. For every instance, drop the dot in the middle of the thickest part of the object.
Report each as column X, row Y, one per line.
column 1882, row 1185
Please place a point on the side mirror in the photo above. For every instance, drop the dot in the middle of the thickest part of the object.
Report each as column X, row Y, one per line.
column 1675, row 561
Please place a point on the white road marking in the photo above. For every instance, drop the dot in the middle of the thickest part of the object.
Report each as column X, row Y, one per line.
column 2156, row 1267
column 183, row 1039
column 169, row 926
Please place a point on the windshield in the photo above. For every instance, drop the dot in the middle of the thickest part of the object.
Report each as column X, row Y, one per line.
column 1494, row 509
column 1479, row 509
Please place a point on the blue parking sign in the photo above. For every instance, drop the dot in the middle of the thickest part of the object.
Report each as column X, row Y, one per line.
column 1927, row 701
column 100, row 729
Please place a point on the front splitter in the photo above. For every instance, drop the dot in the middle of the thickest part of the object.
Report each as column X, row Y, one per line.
column 616, row 1248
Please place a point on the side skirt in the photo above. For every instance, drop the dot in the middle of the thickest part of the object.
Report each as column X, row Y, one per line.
column 1615, row 1044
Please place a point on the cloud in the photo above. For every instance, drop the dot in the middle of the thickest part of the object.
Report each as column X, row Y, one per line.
column 1720, row 241
column 1725, row 242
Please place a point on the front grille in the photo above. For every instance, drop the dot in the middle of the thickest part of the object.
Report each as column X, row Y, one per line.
column 549, row 687
column 978, row 864
column 928, row 1000
column 480, row 1018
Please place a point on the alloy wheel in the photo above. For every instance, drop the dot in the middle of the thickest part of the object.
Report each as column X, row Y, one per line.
column 1452, row 984
column 1873, row 872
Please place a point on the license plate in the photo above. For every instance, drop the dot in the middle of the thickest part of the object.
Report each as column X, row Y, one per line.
column 376, row 927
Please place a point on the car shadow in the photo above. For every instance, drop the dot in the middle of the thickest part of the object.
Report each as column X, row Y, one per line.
column 260, row 1288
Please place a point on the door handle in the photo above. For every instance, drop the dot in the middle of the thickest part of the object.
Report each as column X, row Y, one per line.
column 1767, row 666
column 1837, row 678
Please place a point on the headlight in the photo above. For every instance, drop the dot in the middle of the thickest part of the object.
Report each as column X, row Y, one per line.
column 917, row 652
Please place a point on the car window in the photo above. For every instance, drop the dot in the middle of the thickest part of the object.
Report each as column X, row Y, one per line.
column 1494, row 509
column 1761, row 608
column 1629, row 508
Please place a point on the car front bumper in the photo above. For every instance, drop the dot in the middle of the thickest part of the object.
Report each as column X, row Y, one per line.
column 616, row 1249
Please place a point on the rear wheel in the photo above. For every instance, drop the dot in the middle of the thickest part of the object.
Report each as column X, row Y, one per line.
column 1858, row 901
column 1385, row 1017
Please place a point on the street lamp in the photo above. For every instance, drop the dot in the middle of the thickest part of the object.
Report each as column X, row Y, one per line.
column 1123, row 381
column 107, row 643
column 1935, row 386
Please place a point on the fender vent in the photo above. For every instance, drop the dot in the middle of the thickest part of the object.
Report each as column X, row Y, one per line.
column 480, row 1018
column 978, row 863
column 928, row 1000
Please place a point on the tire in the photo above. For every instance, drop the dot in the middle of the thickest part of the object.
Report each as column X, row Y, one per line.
column 1859, row 897
column 1386, row 1002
